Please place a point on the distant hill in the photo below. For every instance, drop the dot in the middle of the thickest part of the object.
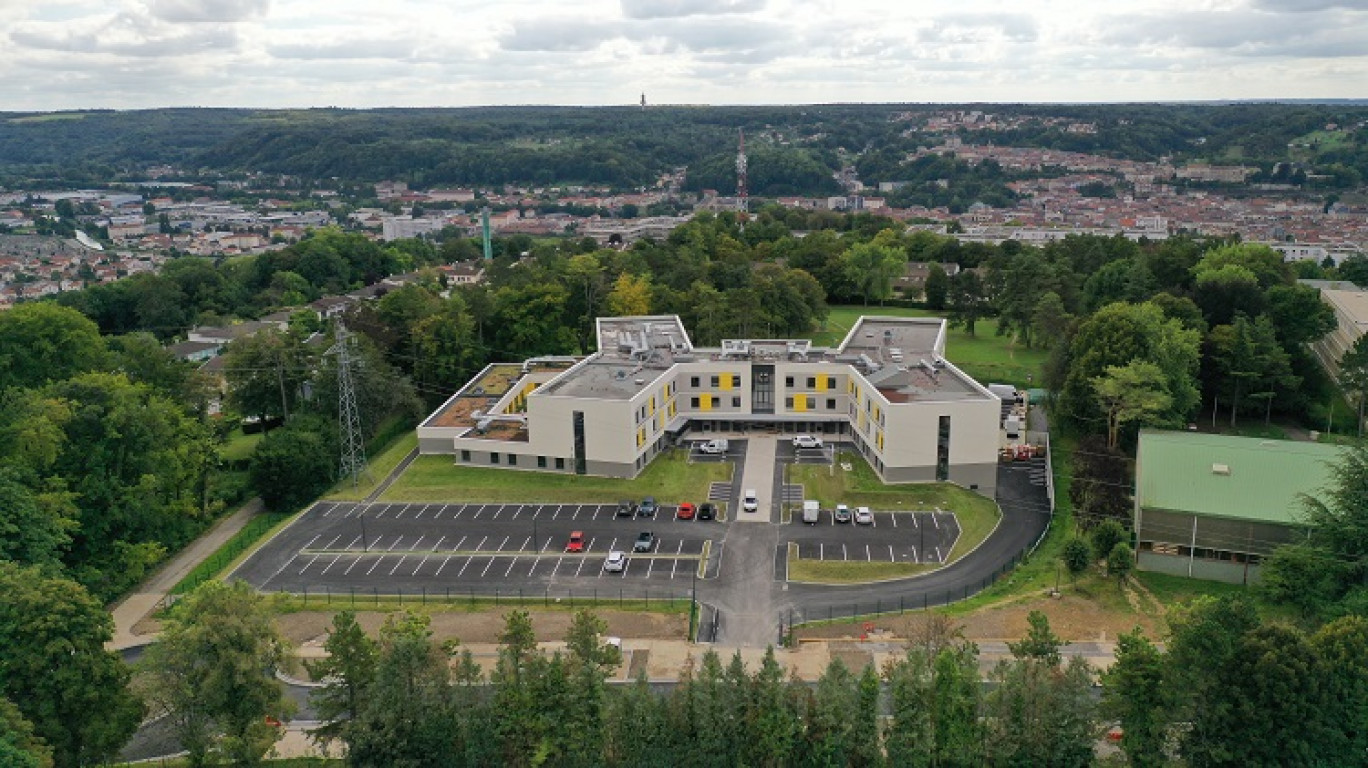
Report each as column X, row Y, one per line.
column 794, row 149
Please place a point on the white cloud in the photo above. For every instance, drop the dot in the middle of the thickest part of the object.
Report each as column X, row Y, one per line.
column 62, row 54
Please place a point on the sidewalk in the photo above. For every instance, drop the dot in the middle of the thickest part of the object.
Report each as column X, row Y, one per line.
column 152, row 592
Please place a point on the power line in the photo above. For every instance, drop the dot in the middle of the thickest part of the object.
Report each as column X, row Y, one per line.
column 353, row 458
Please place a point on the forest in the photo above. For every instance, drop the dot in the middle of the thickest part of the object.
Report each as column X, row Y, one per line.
column 794, row 150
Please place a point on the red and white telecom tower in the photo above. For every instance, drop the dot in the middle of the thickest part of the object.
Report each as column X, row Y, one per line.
column 742, row 202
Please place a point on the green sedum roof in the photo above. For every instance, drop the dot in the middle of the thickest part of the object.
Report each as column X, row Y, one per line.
column 1177, row 471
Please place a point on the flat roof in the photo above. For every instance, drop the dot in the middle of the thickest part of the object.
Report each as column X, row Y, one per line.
column 1242, row 478
column 1354, row 304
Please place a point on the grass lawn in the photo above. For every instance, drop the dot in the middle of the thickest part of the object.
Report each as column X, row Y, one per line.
column 377, row 469
column 670, row 478
column 985, row 356
column 860, row 487
column 1171, row 590
column 238, row 446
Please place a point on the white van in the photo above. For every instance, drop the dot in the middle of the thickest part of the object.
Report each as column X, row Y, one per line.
column 750, row 502
column 714, row 447
column 812, row 512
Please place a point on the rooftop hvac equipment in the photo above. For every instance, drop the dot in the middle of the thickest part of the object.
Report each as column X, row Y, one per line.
column 736, row 348
column 1220, row 469
column 483, row 425
column 888, row 335
column 929, row 368
column 867, row 364
column 625, row 343
column 798, row 349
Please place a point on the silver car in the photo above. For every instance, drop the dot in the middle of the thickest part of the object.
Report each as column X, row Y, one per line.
column 616, row 562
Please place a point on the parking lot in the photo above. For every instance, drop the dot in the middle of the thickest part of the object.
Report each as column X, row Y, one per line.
column 390, row 547
column 899, row 537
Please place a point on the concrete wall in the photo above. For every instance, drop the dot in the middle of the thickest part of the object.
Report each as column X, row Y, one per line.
column 1211, row 570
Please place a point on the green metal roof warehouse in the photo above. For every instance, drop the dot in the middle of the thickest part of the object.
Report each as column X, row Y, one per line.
column 1213, row 506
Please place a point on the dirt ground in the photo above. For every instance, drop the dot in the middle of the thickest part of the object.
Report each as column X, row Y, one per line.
column 311, row 627
column 1073, row 617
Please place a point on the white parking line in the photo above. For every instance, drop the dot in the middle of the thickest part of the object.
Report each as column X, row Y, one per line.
column 581, row 566
column 844, row 556
column 891, row 558
column 867, row 555
column 502, row 544
column 402, row 558
column 516, row 511
column 416, row 543
column 459, row 509
column 650, row 566
column 352, row 543
column 373, row 564
column 292, row 557
column 334, row 562
column 459, row 543
column 486, row 568
column 821, row 551
column 381, row 512
column 395, row 544
column 625, row 566
column 914, row 554
column 330, row 544
column 445, row 560
column 476, row 516
column 467, row 565
column 934, row 519
column 537, row 511
column 939, row 558
column 480, row 546
column 556, row 514
column 512, row 561
column 497, row 511
column 402, row 509
column 536, row 561
column 558, row 564
column 355, row 559
column 894, row 518
column 420, row 512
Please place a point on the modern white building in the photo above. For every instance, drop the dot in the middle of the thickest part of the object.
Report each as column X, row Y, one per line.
column 887, row 389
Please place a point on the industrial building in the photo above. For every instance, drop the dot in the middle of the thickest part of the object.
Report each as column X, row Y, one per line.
column 887, row 390
column 1214, row 506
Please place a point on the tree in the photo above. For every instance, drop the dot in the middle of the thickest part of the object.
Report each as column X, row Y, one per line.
column 937, row 287
column 1338, row 516
column 1077, row 555
column 519, row 729
column 1130, row 394
column 1105, row 537
column 407, row 718
column 1224, row 292
column 1050, row 319
column 1101, row 486
column 448, row 353
column 1120, row 561
column 1040, row 713
column 1353, row 374
column 1303, row 576
column 589, row 662
column 1299, row 315
column 934, row 694
column 772, row 724
column 1341, row 648
column 1204, row 635
column 266, row 373
column 1133, row 694
column 1040, row 642
column 56, row 670
column 631, row 296
column 872, row 267
column 968, row 303
column 213, row 674
column 19, row 746
column 291, row 466
column 346, row 672
column 41, row 342
column 829, row 734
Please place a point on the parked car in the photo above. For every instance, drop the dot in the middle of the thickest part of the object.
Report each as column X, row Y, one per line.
column 842, row 513
column 863, row 516
column 707, row 511
column 645, row 542
column 576, row 543
column 806, row 441
column 713, row 447
column 684, row 511
column 626, row 508
column 750, row 502
column 648, row 507
column 616, row 562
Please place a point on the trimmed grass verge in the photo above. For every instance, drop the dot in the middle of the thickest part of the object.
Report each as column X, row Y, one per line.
column 670, row 478
column 845, row 572
column 449, row 601
column 227, row 554
column 377, row 469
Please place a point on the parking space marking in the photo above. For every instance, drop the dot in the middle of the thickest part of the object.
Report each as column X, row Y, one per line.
column 821, row 551
column 486, row 568
column 381, row 513
column 894, row 518
column 295, row 555
column 512, row 561
column 402, row 509
column 625, row 566
column 578, row 509
column 537, row 511
column 402, row 558
column 934, row 519
column 844, row 556
column 891, row 558
column 497, row 511
column 914, row 554
column 476, row 516
column 867, row 555
column 556, row 514
column 467, row 565
column 421, row 510
column 373, row 564
column 445, row 560
column 939, row 557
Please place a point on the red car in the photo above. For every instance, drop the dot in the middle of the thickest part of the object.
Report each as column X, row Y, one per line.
column 685, row 511
column 576, row 543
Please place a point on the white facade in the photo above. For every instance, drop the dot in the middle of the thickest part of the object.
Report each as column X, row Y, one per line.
column 887, row 390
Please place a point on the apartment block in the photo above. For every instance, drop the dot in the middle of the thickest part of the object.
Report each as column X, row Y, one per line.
column 887, row 390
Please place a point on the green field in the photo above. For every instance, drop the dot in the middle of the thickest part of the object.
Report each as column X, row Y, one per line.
column 670, row 478
column 860, row 487
column 985, row 356
column 238, row 446
column 377, row 469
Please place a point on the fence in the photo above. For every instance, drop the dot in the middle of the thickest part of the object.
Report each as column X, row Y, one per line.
column 239, row 543
column 627, row 598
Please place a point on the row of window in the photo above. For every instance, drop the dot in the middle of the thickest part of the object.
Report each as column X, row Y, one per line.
column 512, row 459
column 730, row 380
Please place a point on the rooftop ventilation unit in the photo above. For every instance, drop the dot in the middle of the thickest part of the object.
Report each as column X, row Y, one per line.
column 1220, row 469
column 867, row 364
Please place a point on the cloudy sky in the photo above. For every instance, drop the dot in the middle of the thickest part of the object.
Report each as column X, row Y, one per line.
column 71, row 54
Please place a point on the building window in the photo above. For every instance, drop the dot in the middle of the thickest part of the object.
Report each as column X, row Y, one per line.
column 693, row 382
column 693, row 402
column 512, row 459
column 788, row 402
column 560, row 463
column 812, row 382
column 465, row 455
column 788, row 381
column 715, row 380
column 541, row 462
column 736, row 402
column 831, row 403
column 493, row 458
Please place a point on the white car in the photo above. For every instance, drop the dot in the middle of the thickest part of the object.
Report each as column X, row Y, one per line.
column 713, row 447
column 863, row 516
column 806, row 441
column 749, row 501
column 616, row 562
